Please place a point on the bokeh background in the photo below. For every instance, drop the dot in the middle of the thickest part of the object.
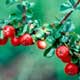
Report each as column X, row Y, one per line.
column 28, row 63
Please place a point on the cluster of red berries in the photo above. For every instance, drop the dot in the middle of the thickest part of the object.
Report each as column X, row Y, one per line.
column 26, row 39
column 63, row 53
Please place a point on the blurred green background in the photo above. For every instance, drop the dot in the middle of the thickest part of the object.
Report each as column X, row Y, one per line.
column 28, row 63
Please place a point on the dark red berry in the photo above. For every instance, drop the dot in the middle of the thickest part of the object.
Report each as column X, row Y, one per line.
column 15, row 41
column 71, row 69
column 8, row 31
column 3, row 41
column 26, row 40
column 41, row 44
column 67, row 59
column 62, row 51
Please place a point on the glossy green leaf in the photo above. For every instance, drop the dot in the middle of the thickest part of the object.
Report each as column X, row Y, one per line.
column 49, row 52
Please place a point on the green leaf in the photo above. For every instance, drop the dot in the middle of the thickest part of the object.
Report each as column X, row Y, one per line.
column 76, row 48
column 67, row 6
column 74, row 59
column 49, row 52
column 27, row 4
column 11, row 1
column 64, row 39
column 68, row 26
column 57, row 35
column 1, row 34
column 50, row 39
column 20, row 7
column 72, row 2
column 25, row 29
column 73, row 38
column 19, row 31
column 78, row 7
column 40, row 33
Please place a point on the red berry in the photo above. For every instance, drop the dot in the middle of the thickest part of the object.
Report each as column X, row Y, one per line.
column 3, row 41
column 41, row 44
column 62, row 51
column 8, row 31
column 26, row 40
column 67, row 59
column 71, row 69
column 15, row 41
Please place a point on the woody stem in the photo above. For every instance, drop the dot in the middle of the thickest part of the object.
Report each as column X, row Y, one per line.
column 69, row 13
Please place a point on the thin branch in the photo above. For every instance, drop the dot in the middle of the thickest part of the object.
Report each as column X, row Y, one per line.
column 65, row 18
column 68, row 14
column 24, row 14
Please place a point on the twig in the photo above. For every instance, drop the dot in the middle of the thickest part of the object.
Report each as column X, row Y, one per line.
column 69, row 13
column 24, row 14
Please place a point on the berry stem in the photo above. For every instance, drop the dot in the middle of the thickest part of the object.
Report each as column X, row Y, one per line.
column 69, row 13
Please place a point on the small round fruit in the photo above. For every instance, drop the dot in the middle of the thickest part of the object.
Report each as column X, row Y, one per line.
column 67, row 59
column 3, row 41
column 71, row 69
column 62, row 51
column 8, row 31
column 15, row 41
column 26, row 40
column 41, row 44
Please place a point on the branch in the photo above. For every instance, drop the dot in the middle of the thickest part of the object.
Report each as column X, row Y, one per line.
column 24, row 13
column 68, row 14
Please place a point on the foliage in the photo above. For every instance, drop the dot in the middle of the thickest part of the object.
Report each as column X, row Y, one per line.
column 56, row 34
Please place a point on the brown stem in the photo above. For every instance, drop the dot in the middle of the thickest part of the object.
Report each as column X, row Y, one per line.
column 1, row 28
column 65, row 18
column 24, row 14
column 69, row 13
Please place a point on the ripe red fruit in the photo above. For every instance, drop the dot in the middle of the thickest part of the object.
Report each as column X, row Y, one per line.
column 62, row 51
column 8, row 31
column 26, row 40
column 41, row 44
column 66, row 59
column 3, row 41
column 71, row 69
column 15, row 41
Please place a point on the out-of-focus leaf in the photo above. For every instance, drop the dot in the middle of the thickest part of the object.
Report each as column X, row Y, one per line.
column 11, row 1
column 67, row 6
column 20, row 7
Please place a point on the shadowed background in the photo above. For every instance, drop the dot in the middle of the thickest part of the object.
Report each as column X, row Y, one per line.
column 28, row 63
